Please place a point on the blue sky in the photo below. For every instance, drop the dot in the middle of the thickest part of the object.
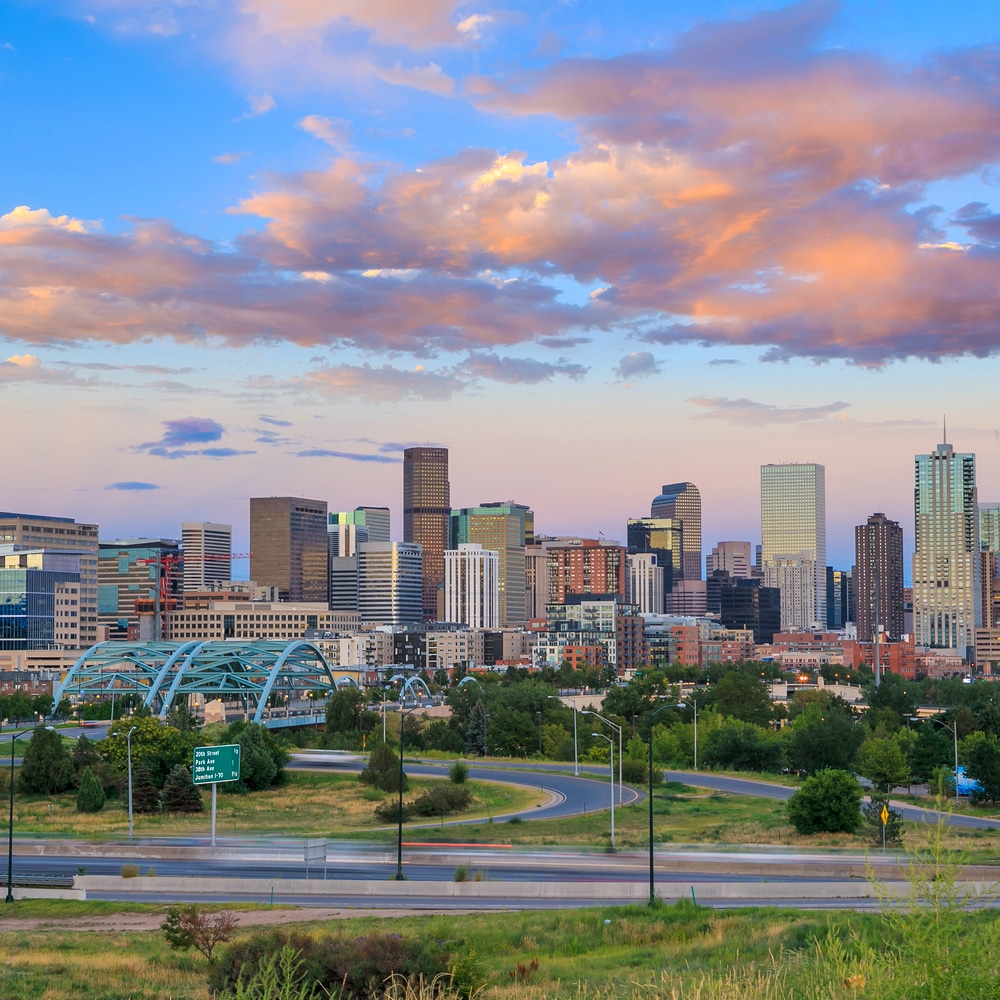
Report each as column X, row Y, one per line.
column 591, row 247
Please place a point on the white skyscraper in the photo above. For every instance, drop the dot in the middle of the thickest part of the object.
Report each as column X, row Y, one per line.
column 947, row 597
column 793, row 525
column 208, row 552
column 472, row 585
column 795, row 577
column 644, row 583
column 389, row 582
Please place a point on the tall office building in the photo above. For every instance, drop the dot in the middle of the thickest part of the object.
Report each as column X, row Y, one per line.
column 61, row 533
column 734, row 558
column 503, row 528
column 208, row 554
column 426, row 516
column 39, row 598
column 664, row 538
column 289, row 546
column 841, row 604
column 989, row 547
column 681, row 502
column 947, row 597
column 989, row 527
column 390, row 582
column 127, row 573
column 363, row 524
column 472, row 586
column 793, row 528
column 794, row 576
column 878, row 581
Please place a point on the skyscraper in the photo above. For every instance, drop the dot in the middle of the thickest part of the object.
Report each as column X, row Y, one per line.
column 208, row 551
column 389, row 582
column 288, row 542
column 426, row 514
column 947, row 597
column 878, row 581
column 503, row 528
column 644, row 582
column 682, row 502
column 793, row 529
column 662, row 537
column 62, row 533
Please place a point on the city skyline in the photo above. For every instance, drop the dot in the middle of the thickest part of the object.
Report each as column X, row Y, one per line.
column 247, row 252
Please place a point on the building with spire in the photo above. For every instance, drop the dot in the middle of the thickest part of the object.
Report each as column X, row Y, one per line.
column 947, row 592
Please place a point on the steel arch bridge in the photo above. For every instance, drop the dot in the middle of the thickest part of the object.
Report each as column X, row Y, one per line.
column 164, row 673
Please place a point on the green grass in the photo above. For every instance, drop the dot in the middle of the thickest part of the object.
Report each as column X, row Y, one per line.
column 310, row 803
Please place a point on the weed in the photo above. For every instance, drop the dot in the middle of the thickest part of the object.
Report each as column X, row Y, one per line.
column 130, row 871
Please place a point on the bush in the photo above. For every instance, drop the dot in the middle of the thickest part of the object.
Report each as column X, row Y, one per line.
column 828, row 802
column 382, row 770
column 443, row 799
column 636, row 772
column 191, row 927
column 130, row 871
column 90, row 798
column 458, row 773
column 388, row 811
column 349, row 968
column 180, row 794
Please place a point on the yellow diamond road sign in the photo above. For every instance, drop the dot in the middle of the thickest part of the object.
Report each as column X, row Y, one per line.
column 885, row 815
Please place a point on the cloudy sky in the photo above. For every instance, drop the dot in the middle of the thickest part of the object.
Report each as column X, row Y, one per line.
column 255, row 247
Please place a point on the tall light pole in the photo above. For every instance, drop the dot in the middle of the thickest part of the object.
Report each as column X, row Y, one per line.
column 618, row 730
column 611, row 744
column 399, row 841
column 128, row 743
column 684, row 704
column 576, row 753
column 954, row 729
column 652, row 876
column 10, row 821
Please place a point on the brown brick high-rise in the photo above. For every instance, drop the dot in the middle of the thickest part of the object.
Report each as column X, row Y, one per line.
column 426, row 516
column 878, row 573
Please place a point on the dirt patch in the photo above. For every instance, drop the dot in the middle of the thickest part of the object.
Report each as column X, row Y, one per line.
column 141, row 922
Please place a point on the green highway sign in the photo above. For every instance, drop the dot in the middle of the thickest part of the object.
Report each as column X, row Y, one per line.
column 214, row 764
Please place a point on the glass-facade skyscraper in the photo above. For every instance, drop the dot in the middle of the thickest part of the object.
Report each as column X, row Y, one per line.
column 947, row 596
column 793, row 522
column 681, row 502
column 427, row 515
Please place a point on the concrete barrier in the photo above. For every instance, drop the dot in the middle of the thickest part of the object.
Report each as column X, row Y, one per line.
column 32, row 892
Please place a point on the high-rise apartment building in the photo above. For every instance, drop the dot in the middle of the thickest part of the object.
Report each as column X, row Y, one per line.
column 947, row 596
column 503, row 528
column 61, row 533
column 289, row 546
column 585, row 567
column 644, row 583
column 794, row 576
column 681, row 502
column 793, row 527
column 878, row 581
column 472, row 585
column 735, row 558
column 989, row 526
column 208, row 554
column 390, row 581
column 426, row 516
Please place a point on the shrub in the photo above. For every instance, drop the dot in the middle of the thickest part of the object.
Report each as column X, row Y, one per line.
column 130, row 871
column 47, row 768
column 349, row 968
column 828, row 802
column 635, row 772
column 191, row 927
column 388, row 811
column 458, row 773
column 382, row 770
column 90, row 798
column 442, row 799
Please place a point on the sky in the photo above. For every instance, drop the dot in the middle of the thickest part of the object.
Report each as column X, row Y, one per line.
column 258, row 247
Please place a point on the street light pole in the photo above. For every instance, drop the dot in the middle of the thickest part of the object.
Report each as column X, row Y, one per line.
column 10, row 821
column 576, row 753
column 611, row 744
column 399, row 841
column 128, row 743
column 618, row 730
column 652, row 876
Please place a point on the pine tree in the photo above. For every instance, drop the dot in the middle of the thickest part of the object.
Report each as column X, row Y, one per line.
column 382, row 770
column 84, row 754
column 47, row 768
column 475, row 735
column 179, row 792
column 145, row 797
column 90, row 797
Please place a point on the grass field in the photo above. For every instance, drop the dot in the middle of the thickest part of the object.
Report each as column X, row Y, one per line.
column 666, row 953
column 310, row 803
